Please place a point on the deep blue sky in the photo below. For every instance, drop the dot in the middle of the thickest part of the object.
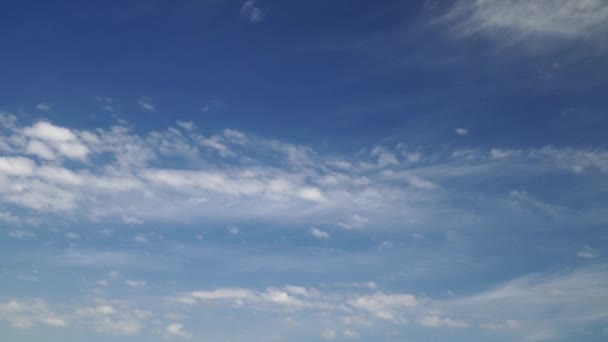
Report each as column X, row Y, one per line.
column 299, row 171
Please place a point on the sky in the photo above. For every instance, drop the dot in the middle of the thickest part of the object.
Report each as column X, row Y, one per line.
column 264, row 170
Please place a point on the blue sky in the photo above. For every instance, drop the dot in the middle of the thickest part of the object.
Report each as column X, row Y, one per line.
column 304, row 171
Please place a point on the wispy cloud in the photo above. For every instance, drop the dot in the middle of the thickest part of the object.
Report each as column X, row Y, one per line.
column 117, row 175
column 145, row 104
column 43, row 106
column 252, row 12
column 514, row 22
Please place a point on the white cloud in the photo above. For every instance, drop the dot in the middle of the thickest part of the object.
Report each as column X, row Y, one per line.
column 587, row 253
column 112, row 319
column 418, row 236
column 23, row 314
column 146, row 104
column 135, row 283
column 187, row 125
column 43, row 106
column 515, row 21
column 233, row 230
column 176, row 329
column 319, row 234
column 355, row 221
column 436, row 321
column 497, row 153
column 126, row 176
column 540, row 306
column 46, row 131
column 16, row 166
column 39, row 149
column 462, row 131
column 384, row 306
column 253, row 13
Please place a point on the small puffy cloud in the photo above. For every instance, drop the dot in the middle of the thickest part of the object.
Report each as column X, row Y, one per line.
column 233, row 230
column 187, row 125
column 253, row 13
column 145, row 104
column 176, row 330
column 462, row 131
column 46, row 131
column 497, row 153
column 587, row 253
column 43, row 106
column 319, row 234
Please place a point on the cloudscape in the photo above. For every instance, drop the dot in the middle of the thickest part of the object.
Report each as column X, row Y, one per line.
column 263, row 170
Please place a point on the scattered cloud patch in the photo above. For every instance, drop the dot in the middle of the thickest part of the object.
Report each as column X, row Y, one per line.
column 462, row 131
column 145, row 104
column 587, row 253
column 176, row 330
column 43, row 106
column 135, row 283
column 252, row 12
column 319, row 234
